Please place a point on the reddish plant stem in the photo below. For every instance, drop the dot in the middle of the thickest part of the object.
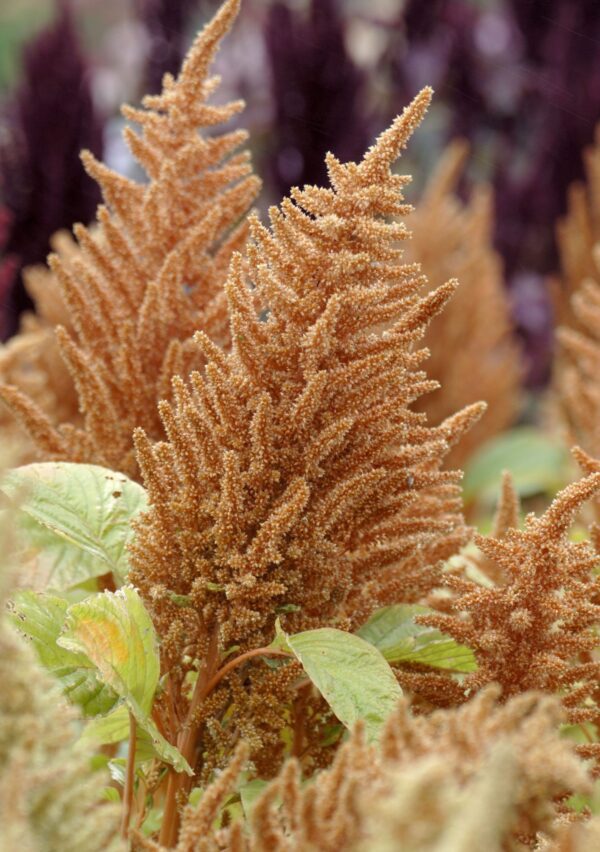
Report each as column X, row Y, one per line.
column 173, row 717
column 232, row 664
column 299, row 706
column 207, row 680
column 186, row 743
column 106, row 583
column 129, row 779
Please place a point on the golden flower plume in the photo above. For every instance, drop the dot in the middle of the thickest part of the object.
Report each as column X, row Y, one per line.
column 296, row 476
column 152, row 273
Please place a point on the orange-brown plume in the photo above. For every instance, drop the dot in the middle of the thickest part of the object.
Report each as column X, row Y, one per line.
column 297, row 477
column 152, row 273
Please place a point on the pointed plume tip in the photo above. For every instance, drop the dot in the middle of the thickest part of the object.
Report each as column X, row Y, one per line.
column 392, row 141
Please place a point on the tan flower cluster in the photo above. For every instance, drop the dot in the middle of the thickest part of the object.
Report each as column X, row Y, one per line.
column 152, row 272
column 474, row 354
column 578, row 372
column 31, row 360
column 535, row 629
column 296, row 478
column 578, row 236
column 473, row 778
column 578, row 307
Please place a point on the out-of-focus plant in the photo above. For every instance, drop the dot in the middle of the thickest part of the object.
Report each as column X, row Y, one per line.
column 476, row 325
column 166, row 22
column 577, row 368
column 318, row 94
column 43, row 186
column 51, row 788
column 521, row 81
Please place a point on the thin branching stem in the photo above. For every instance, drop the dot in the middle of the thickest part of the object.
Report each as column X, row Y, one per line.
column 207, row 680
column 232, row 664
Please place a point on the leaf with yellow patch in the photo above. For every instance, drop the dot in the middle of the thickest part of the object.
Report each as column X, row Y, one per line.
column 114, row 631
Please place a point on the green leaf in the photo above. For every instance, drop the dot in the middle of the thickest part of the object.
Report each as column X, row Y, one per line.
column 114, row 631
column 538, row 463
column 394, row 631
column 111, row 794
column 117, row 769
column 280, row 642
column 351, row 675
column 250, row 792
column 75, row 520
column 40, row 618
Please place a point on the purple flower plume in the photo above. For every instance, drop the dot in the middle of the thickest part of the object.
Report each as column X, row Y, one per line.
column 43, row 186
column 317, row 91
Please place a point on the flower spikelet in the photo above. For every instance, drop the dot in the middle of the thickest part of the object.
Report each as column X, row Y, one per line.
column 151, row 274
column 296, row 476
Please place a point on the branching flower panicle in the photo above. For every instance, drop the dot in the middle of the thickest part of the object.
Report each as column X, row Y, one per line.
column 152, row 273
column 475, row 777
column 536, row 628
column 296, row 478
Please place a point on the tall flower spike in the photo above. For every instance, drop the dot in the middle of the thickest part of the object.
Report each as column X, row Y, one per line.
column 153, row 271
column 538, row 629
column 296, row 475
column 475, row 327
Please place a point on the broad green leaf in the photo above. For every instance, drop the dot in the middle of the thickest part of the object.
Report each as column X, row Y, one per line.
column 153, row 821
column 111, row 794
column 40, row 618
column 250, row 793
column 47, row 562
column 117, row 768
column 195, row 796
column 76, row 520
column 115, row 632
column 394, row 631
column 351, row 674
column 114, row 728
column 538, row 463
